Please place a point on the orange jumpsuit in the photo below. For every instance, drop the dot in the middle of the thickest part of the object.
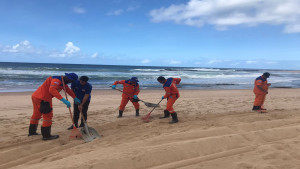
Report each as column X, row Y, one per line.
column 172, row 93
column 129, row 90
column 49, row 89
column 260, row 95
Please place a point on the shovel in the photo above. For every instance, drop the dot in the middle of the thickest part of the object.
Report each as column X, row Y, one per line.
column 146, row 103
column 146, row 117
column 88, row 133
column 75, row 133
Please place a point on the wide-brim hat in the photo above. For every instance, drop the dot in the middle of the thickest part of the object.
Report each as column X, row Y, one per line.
column 71, row 76
column 134, row 79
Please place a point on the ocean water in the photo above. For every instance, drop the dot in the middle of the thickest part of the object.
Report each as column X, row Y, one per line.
column 18, row 77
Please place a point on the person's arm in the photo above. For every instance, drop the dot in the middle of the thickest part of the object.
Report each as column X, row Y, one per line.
column 54, row 88
column 70, row 92
column 85, row 98
column 262, row 89
column 118, row 82
column 177, row 80
column 137, row 90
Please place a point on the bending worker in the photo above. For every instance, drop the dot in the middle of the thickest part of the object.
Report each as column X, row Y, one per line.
column 260, row 90
column 172, row 94
column 82, row 90
column 42, row 103
column 131, row 89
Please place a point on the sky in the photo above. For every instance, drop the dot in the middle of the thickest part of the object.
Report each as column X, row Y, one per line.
column 185, row 33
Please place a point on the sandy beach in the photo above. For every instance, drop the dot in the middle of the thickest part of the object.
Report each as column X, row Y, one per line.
column 216, row 130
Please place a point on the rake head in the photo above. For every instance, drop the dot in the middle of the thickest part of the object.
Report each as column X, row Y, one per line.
column 75, row 133
column 146, row 118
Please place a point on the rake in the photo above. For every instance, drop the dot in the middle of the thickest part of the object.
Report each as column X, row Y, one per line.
column 146, row 117
column 146, row 103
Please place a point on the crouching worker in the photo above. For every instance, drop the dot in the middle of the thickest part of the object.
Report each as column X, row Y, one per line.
column 131, row 89
column 42, row 103
column 82, row 90
column 260, row 90
column 172, row 94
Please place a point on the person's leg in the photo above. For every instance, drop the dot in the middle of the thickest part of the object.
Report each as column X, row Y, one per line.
column 85, row 108
column 137, row 107
column 76, row 114
column 124, row 102
column 36, row 116
column 46, row 127
column 170, row 103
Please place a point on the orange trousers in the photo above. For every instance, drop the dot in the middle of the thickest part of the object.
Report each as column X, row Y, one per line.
column 259, row 99
column 170, row 103
column 124, row 102
column 36, row 116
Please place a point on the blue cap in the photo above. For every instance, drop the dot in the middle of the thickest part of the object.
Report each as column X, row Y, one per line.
column 134, row 79
column 71, row 76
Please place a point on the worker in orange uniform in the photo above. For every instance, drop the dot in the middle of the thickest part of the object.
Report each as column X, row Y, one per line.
column 260, row 90
column 131, row 89
column 172, row 94
column 42, row 103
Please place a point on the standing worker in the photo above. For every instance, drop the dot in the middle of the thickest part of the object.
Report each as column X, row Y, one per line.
column 42, row 103
column 260, row 90
column 131, row 89
column 82, row 90
column 172, row 94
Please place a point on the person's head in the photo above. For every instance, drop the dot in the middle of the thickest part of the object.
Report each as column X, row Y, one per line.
column 83, row 80
column 266, row 75
column 134, row 80
column 70, row 77
column 161, row 79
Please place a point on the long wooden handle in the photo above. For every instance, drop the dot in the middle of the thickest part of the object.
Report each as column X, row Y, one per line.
column 64, row 86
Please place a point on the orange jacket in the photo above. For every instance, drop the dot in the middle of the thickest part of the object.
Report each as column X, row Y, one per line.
column 260, row 81
column 129, row 88
column 51, row 88
column 170, row 87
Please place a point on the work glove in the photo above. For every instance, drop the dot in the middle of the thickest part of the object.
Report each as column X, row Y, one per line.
column 77, row 101
column 113, row 86
column 66, row 102
column 135, row 97
column 162, row 97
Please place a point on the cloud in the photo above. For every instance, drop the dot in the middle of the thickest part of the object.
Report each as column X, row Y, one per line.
column 226, row 13
column 146, row 61
column 23, row 47
column 251, row 62
column 70, row 50
column 95, row 55
column 79, row 10
column 174, row 62
column 116, row 12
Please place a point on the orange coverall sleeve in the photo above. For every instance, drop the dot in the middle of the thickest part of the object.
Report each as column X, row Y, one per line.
column 177, row 80
column 119, row 82
column 70, row 92
column 54, row 88
column 137, row 91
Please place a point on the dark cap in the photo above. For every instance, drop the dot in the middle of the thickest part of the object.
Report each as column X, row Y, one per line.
column 71, row 76
column 84, row 78
column 267, row 74
column 134, row 79
column 161, row 78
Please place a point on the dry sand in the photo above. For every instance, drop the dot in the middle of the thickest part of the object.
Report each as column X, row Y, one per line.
column 217, row 130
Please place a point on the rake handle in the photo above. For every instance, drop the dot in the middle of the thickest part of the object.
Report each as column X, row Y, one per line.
column 64, row 86
column 148, row 115
column 128, row 94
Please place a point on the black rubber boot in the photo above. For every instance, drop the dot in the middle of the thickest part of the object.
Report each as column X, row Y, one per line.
column 137, row 112
column 46, row 133
column 166, row 114
column 32, row 130
column 120, row 114
column 255, row 107
column 174, row 118
column 71, row 127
